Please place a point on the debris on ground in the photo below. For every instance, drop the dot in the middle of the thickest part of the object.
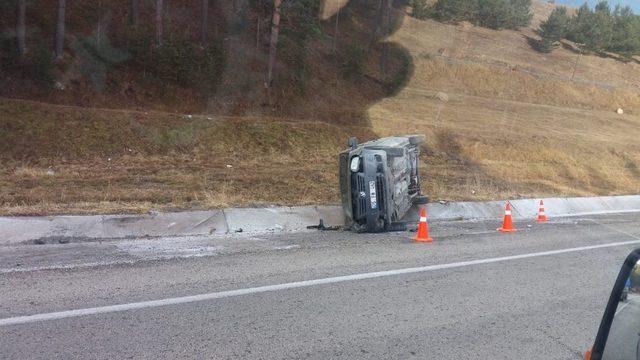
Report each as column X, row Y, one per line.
column 322, row 227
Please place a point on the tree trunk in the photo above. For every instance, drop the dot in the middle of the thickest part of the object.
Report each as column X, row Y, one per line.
column 204, row 26
column 159, row 22
column 387, row 7
column 335, row 32
column 375, row 25
column 258, row 33
column 135, row 11
column 99, row 30
column 59, row 43
column 273, row 43
column 21, row 28
column 102, row 27
column 386, row 17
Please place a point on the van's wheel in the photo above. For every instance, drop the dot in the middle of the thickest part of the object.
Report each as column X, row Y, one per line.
column 421, row 200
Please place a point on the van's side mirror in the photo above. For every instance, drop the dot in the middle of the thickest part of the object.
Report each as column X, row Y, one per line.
column 618, row 336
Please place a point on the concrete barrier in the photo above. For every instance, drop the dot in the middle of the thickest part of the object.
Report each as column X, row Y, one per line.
column 188, row 223
column 280, row 219
column 19, row 229
column 295, row 218
column 528, row 208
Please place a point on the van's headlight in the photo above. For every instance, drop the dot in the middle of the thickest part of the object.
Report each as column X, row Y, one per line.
column 355, row 163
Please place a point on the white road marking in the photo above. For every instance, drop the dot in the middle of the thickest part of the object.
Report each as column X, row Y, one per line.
column 292, row 285
column 286, row 247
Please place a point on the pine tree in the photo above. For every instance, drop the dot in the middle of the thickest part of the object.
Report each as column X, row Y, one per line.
column 521, row 14
column 420, row 9
column 626, row 32
column 601, row 29
column 554, row 28
column 494, row 14
column 456, row 10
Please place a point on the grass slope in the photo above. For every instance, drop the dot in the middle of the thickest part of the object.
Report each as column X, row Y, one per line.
column 58, row 159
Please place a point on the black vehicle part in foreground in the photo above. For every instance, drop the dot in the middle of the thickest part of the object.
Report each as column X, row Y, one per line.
column 612, row 341
column 379, row 182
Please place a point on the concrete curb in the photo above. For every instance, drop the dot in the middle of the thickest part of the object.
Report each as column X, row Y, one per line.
column 188, row 223
column 14, row 230
column 523, row 209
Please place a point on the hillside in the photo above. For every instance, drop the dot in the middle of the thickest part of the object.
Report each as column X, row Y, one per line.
column 502, row 121
column 515, row 123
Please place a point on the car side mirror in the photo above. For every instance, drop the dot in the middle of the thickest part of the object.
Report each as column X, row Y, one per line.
column 618, row 336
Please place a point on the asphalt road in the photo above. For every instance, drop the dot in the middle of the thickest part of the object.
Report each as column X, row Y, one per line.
column 472, row 294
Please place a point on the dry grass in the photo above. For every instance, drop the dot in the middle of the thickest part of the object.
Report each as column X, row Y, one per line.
column 89, row 161
column 30, row 172
column 509, row 84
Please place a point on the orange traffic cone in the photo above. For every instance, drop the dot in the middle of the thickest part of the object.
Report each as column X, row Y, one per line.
column 507, row 223
column 422, row 234
column 542, row 217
